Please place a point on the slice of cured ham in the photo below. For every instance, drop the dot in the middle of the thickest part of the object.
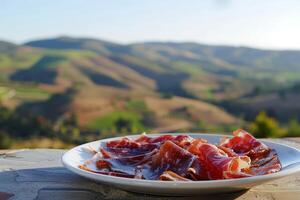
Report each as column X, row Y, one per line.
column 143, row 144
column 216, row 162
column 130, row 165
column 171, row 157
column 265, row 164
column 263, row 159
column 244, row 143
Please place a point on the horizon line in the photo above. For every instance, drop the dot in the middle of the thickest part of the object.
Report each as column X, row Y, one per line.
column 149, row 41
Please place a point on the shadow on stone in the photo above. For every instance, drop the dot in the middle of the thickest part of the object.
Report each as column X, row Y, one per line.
column 51, row 174
column 57, row 183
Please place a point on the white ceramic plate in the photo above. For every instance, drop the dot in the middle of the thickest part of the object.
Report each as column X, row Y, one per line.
column 289, row 158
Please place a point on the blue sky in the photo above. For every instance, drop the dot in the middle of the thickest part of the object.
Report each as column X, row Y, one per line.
column 257, row 23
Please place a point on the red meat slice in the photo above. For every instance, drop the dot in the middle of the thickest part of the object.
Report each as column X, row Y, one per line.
column 180, row 140
column 171, row 157
column 263, row 159
column 265, row 164
column 123, row 143
column 143, row 144
column 197, row 172
column 144, row 139
column 125, row 151
column 216, row 162
column 129, row 165
column 134, row 156
column 244, row 143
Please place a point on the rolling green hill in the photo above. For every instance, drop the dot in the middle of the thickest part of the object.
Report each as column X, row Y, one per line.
column 181, row 86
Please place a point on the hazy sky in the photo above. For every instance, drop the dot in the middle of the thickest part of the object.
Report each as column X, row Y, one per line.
column 257, row 23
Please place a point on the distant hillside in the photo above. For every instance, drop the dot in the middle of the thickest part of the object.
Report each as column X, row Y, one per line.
column 7, row 47
column 189, row 59
column 174, row 83
column 99, row 46
column 224, row 57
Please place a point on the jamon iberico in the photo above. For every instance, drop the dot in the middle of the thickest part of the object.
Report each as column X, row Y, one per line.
column 183, row 158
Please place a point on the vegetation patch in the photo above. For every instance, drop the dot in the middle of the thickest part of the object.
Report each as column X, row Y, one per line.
column 119, row 122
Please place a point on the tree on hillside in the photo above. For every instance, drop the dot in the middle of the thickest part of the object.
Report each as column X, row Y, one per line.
column 293, row 128
column 264, row 127
column 5, row 140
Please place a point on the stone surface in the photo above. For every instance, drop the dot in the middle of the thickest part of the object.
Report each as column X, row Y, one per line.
column 38, row 174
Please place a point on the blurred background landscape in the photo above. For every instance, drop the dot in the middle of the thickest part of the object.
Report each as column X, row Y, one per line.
column 60, row 88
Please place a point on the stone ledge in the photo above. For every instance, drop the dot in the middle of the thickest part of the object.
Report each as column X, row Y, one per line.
column 38, row 174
